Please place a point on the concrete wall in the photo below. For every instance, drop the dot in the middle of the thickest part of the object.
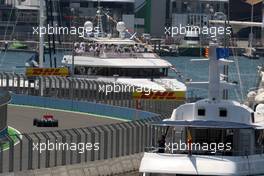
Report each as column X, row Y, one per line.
column 113, row 166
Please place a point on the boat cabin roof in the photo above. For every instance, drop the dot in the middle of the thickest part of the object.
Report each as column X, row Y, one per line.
column 117, row 62
column 214, row 114
column 204, row 124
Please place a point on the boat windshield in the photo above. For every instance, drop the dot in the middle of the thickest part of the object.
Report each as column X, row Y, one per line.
column 199, row 141
column 122, row 72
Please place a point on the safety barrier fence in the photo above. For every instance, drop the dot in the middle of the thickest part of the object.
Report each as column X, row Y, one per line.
column 124, row 113
column 20, row 152
column 82, row 90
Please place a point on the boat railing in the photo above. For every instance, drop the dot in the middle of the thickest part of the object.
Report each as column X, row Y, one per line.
column 121, row 55
column 91, row 54
column 253, row 89
column 109, row 55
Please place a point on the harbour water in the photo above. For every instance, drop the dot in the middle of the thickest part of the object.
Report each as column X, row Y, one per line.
column 197, row 71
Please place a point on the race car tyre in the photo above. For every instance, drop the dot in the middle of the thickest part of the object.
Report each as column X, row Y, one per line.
column 40, row 123
column 55, row 123
column 35, row 121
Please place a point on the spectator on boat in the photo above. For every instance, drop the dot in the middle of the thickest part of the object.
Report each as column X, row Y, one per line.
column 104, row 48
column 6, row 45
column 145, row 49
column 118, row 49
column 135, row 47
column 161, row 144
column 76, row 47
column 91, row 49
column 97, row 50
column 113, row 48
column 82, row 47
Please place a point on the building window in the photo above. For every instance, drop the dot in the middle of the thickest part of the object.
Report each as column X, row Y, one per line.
column 222, row 112
column 84, row 4
column 201, row 112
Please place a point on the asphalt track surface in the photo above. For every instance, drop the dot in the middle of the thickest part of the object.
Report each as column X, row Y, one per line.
column 21, row 118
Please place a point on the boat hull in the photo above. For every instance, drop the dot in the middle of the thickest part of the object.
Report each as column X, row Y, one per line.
column 201, row 164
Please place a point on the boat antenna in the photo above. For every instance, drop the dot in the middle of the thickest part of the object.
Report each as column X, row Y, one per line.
column 41, row 36
column 41, row 40
column 217, row 57
column 214, row 73
column 99, row 19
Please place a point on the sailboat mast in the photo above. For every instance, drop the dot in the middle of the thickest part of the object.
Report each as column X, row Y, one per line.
column 41, row 35
column 251, row 28
column 99, row 20
column 225, row 71
column 262, row 28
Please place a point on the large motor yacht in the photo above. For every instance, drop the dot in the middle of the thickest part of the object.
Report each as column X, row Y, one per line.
column 126, row 62
column 209, row 137
column 123, row 60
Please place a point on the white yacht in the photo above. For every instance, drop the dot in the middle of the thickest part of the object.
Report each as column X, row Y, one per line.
column 208, row 137
column 122, row 60
column 132, row 66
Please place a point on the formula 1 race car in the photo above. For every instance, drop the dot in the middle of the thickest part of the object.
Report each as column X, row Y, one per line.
column 46, row 121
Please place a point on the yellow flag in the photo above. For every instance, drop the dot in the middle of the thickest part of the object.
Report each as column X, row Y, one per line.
column 189, row 136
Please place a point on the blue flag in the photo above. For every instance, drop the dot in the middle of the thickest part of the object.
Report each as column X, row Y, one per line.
column 222, row 53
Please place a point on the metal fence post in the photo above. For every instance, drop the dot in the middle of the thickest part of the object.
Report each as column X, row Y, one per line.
column 39, row 155
column 20, row 152
column 47, row 162
column 129, row 136
column 107, row 142
column 7, row 80
column 113, row 137
column 1, row 158
column 63, row 156
column 30, row 154
column 85, row 141
column 124, row 138
column 100, row 140
column 71, row 153
column 11, row 153
column 78, row 141
column 2, row 80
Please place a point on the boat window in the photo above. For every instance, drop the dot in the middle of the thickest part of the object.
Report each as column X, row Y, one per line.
column 192, row 38
column 122, row 72
column 253, row 117
column 259, row 143
column 222, row 112
column 201, row 112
